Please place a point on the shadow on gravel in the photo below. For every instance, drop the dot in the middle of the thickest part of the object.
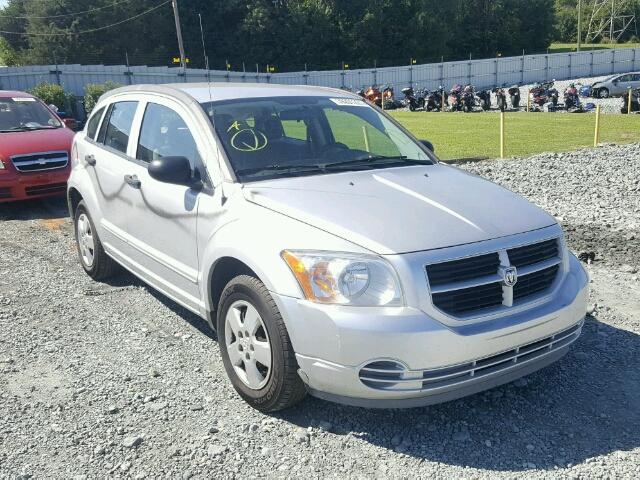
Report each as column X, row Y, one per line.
column 43, row 209
column 585, row 405
column 126, row 279
column 615, row 246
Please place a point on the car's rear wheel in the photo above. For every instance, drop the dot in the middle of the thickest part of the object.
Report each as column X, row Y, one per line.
column 255, row 346
column 93, row 258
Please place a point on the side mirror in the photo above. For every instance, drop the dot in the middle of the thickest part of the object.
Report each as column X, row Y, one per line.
column 174, row 170
column 70, row 123
column 428, row 144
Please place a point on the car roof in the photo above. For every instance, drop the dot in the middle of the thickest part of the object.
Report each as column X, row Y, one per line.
column 14, row 94
column 218, row 91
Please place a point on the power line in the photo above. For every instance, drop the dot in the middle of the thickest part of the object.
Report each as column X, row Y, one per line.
column 92, row 30
column 62, row 15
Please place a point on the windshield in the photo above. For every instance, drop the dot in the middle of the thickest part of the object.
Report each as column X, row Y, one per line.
column 291, row 136
column 25, row 113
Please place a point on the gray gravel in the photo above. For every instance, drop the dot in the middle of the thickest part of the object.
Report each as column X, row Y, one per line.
column 113, row 380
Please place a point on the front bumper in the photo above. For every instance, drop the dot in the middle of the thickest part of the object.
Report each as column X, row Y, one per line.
column 15, row 186
column 334, row 343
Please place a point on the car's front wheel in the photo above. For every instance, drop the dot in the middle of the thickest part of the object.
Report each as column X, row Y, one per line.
column 603, row 93
column 255, row 346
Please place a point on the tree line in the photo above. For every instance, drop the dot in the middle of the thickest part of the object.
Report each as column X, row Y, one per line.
column 286, row 34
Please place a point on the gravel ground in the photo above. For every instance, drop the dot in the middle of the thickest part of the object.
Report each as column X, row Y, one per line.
column 113, row 380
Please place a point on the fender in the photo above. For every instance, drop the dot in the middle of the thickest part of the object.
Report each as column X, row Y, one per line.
column 80, row 181
column 257, row 238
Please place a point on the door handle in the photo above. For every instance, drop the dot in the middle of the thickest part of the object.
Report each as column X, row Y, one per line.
column 133, row 181
column 90, row 159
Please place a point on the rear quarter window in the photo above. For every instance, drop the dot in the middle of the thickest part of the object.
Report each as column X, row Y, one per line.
column 94, row 122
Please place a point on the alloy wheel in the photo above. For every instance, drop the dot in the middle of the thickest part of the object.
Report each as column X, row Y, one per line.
column 85, row 240
column 247, row 343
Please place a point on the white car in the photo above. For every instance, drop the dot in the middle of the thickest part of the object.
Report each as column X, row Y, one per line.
column 330, row 250
column 616, row 85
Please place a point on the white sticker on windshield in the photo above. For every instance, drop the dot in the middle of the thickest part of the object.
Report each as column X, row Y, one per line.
column 23, row 99
column 349, row 102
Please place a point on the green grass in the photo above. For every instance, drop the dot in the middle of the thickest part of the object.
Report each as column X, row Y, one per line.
column 463, row 135
column 571, row 47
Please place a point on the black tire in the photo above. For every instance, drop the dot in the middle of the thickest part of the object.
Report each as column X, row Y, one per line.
column 103, row 266
column 284, row 387
column 603, row 93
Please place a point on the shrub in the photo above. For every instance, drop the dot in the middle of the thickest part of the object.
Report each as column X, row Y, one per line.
column 93, row 92
column 52, row 94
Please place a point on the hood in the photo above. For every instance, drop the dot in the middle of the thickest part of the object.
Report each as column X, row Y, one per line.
column 402, row 210
column 36, row 141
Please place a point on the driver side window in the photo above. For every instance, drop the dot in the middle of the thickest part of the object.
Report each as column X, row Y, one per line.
column 165, row 134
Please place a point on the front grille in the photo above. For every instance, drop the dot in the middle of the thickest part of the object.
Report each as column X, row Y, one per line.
column 466, row 299
column 534, row 282
column 459, row 270
column 389, row 375
column 46, row 189
column 475, row 285
column 5, row 192
column 36, row 162
column 535, row 253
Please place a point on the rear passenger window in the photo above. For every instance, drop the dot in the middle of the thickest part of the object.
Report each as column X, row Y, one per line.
column 118, row 125
column 165, row 134
column 94, row 121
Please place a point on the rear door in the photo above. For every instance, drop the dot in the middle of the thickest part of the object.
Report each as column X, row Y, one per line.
column 635, row 81
column 162, row 217
column 108, row 157
column 622, row 84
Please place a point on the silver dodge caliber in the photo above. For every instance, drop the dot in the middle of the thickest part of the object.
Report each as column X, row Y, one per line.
column 330, row 250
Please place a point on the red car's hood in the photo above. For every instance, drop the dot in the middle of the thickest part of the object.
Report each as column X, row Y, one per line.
column 36, row 141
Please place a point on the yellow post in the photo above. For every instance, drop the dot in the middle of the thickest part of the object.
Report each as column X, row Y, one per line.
column 501, row 134
column 528, row 100
column 596, row 137
column 365, row 134
column 630, row 91
column 442, row 104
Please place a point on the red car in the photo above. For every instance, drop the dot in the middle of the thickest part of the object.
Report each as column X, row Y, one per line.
column 35, row 147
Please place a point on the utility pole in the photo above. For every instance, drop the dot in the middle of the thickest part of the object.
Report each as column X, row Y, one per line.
column 613, row 17
column 176, row 14
column 579, row 24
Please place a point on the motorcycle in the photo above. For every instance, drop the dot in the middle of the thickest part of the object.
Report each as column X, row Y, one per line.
column 514, row 95
column 435, row 99
column 414, row 99
column 484, row 97
column 373, row 95
column 389, row 99
column 501, row 98
column 635, row 101
column 455, row 98
column 468, row 98
column 571, row 98
column 543, row 93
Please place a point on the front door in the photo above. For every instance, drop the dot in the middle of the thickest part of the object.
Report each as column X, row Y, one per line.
column 162, row 223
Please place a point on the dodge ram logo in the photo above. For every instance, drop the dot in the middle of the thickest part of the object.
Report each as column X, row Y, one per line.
column 510, row 276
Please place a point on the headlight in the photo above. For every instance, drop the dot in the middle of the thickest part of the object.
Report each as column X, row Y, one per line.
column 345, row 279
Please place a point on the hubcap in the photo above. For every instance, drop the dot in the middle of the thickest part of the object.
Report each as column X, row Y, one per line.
column 247, row 344
column 85, row 240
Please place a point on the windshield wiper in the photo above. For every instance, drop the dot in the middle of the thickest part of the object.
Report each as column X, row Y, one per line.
column 281, row 169
column 376, row 160
column 27, row 129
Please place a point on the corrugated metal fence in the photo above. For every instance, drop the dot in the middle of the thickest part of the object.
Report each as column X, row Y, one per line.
column 485, row 73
